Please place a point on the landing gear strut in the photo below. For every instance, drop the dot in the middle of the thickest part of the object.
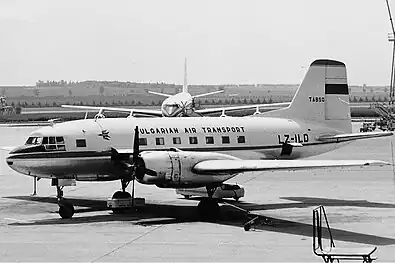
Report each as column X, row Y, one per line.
column 208, row 208
column 35, row 179
column 66, row 208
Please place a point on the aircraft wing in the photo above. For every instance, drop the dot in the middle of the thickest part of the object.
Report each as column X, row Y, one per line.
column 244, row 107
column 353, row 136
column 157, row 113
column 238, row 166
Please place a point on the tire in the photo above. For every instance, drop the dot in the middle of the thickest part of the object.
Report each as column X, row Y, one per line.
column 120, row 195
column 66, row 209
column 247, row 227
column 208, row 209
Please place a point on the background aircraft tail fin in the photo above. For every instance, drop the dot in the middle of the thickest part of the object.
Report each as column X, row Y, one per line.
column 322, row 97
column 185, row 86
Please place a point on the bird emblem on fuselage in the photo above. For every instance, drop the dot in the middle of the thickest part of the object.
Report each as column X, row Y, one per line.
column 105, row 134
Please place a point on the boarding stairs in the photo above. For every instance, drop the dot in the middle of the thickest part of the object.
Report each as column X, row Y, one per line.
column 383, row 110
column 332, row 253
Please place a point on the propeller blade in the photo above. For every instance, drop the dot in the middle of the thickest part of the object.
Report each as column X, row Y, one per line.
column 136, row 148
column 150, row 172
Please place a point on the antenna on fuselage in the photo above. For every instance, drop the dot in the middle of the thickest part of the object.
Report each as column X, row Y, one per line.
column 52, row 121
column 100, row 114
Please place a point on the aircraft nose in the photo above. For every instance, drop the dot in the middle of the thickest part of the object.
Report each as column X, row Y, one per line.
column 9, row 161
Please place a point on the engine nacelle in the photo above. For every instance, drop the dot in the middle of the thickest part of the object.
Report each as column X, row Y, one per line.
column 174, row 169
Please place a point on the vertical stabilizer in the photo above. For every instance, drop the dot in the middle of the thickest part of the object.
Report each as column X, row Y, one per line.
column 185, row 86
column 322, row 97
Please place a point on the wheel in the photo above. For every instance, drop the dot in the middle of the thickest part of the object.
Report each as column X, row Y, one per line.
column 247, row 227
column 236, row 198
column 66, row 209
column 120, row 195
column 187, row 196
column 208, row 209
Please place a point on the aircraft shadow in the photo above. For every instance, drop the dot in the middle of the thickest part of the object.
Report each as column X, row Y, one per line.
column 161, row 214
column 304, row 202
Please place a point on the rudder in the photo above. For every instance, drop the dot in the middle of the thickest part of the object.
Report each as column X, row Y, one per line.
column 322, row 97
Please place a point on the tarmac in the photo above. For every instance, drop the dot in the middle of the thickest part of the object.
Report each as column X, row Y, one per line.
column 359, row 202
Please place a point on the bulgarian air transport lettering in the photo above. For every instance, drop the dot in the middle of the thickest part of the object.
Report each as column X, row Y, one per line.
column 223, row 129
column 293, row 138
column 158, row 130
column 212, row 129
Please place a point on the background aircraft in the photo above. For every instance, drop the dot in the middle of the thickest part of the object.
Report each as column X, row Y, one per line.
column 180, row 105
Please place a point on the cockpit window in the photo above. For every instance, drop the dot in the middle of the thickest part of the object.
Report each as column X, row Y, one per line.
column 34, row 141
column 54, row 143
column 171, row 108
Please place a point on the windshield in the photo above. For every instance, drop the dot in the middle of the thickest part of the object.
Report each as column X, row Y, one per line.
column 170, row 108
column 34, row 141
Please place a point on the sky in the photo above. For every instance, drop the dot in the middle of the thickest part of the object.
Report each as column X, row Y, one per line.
column 225, row 41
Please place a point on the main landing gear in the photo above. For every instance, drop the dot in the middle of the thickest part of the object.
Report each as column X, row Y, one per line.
column 121, row 195
column 208, row 208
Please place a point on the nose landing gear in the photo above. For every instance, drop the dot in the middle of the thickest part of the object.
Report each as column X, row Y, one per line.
column 66, row 208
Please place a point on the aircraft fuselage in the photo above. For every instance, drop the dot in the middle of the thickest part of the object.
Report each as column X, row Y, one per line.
column 82, row 149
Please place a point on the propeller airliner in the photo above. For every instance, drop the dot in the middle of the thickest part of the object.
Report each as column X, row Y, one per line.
column 197, row 151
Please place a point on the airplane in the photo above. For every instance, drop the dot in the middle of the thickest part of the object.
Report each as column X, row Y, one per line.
column 197, row 151
column 3, row 106
column 179, row 105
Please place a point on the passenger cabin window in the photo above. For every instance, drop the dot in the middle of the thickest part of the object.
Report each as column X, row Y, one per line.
column 209, row 140
column 142, row 141
column 241, row 139
column 176, row 140
column 54, row 143
column 193, row 140
column 225, row 139
column 160, row 141
column 80, row 142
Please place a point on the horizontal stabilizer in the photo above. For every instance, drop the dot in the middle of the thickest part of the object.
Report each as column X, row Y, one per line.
column 238, row 166
column 160, row 94
column 353, row 136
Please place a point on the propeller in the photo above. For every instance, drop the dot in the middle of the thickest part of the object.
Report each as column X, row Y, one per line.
column 135, row 156
column 137, row 166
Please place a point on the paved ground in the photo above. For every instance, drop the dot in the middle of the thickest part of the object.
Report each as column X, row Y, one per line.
column 360, row 204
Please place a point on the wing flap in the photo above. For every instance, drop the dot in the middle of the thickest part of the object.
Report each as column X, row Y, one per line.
column 235, row 166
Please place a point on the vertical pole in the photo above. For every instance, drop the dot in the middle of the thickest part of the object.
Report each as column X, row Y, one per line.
column 34, row 186
column 393, row 57
column 393, row 162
